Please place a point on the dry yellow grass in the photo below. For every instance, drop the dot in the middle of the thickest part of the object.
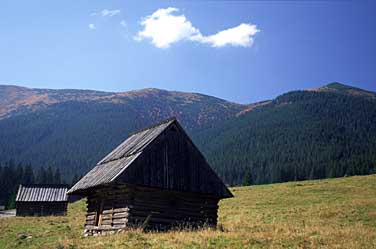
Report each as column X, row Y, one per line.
column 335, row 213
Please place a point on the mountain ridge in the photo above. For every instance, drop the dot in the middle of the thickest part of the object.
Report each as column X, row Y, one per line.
column 333, row 129
column 18, row 100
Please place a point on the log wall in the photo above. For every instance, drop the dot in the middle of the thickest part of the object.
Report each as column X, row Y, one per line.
column 114, row 208
column 41, row 208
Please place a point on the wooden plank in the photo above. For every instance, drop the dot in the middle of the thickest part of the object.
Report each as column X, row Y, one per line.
column 90, row 222
column 119, row 226
column 120, row 221
column 105, row 227
column 107, row 211
column 120, row 215
column 120, row 210
column 106, row 216
column 90, row 217
column 106, row 222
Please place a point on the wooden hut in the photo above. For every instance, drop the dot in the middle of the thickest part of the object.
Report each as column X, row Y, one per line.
column 41, row 200
column 157, row 178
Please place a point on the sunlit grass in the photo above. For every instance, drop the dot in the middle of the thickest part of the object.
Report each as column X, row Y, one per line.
column 335, row 213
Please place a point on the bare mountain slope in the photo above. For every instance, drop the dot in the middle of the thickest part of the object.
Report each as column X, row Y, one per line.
column 192, row 108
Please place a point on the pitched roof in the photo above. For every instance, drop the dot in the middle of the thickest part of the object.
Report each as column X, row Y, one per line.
column 136, row 142
column 42, row 193
column 104, row 173
column 121, row 158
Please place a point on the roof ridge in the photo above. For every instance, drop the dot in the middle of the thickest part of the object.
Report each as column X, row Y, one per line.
column 44, row 185
column 153, row 126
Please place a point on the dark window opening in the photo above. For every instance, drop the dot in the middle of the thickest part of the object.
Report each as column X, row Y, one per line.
column 98, row 213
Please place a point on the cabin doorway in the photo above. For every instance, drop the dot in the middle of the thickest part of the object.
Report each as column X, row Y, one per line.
column 98, row 213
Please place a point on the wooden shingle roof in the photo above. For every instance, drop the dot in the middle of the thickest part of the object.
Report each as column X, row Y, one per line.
column 127, row 157
column 42, row 193
column 120, row 158
column 136, row 142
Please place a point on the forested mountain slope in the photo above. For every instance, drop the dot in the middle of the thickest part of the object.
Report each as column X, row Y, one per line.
column 73, row 129
column 325, row 132
column 316, row 133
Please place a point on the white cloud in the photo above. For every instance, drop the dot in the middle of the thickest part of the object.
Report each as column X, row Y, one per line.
column 123, row 23
column 109, row 13
column 91, row 26
column 241, row 36
column 164, row 28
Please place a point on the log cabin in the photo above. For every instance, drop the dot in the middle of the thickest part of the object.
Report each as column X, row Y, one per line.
column 41, row 200
column 157, row 178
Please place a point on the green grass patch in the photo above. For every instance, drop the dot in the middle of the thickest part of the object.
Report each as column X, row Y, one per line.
column 335, row 213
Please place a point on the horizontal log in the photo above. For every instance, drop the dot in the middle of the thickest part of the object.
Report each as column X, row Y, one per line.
column 108, row 211
column 104, row 227
column 90, row 217
column 120, row 221
column 115, row 210
column 106, row 222
column 120, row 210
column 120, row 215
column 90, row 222
column 119, row 226
column 106, row 216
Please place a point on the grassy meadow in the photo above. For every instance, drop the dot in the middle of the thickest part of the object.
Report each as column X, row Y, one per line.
column 333, row 213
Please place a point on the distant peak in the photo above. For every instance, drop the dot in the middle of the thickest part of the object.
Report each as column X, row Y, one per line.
column 338, row 86
column 145, row 91
column 151, row 89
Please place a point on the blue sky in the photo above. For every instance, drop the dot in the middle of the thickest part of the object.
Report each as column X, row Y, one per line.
column 243, row 51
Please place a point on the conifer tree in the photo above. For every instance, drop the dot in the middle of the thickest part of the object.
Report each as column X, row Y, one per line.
column 247, row 180
column 57, row 177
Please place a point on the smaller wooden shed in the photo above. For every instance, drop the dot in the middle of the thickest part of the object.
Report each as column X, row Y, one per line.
column 41, row 200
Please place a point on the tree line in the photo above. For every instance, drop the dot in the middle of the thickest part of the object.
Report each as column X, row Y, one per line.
column 13, row 174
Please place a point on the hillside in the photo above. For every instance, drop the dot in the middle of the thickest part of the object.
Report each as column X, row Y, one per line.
column 309, row 134
column 335, row 213
column 193, row 109
column 328, row 132
column 73, row 129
